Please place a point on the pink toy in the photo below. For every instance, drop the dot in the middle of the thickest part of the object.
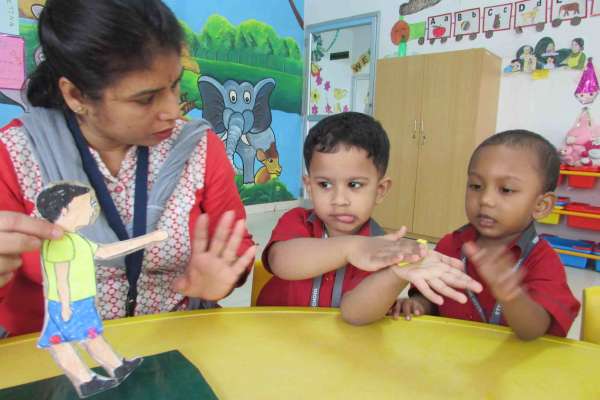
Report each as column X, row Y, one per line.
column 587, row 90
column 591, row 155
column 577, row 137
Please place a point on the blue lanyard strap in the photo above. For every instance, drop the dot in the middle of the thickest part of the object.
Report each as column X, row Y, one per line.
column 133, row 262
column 527, row 242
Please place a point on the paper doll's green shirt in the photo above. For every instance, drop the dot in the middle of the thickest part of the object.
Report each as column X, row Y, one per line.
column 78, row 252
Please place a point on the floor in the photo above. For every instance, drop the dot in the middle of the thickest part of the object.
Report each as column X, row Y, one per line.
column 261, row 225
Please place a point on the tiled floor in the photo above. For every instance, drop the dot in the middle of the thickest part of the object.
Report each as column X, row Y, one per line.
column 261, row 225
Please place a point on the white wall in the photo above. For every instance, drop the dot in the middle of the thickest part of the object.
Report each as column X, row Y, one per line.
column 546, row 106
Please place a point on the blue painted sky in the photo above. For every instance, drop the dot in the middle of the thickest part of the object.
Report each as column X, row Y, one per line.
column 276, row 13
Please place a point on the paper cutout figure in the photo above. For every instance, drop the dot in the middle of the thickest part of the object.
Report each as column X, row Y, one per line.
column 587, row 90
column 70, row 288
column 576, row 59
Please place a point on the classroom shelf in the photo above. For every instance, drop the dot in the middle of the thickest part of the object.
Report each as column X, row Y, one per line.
column 576, row 214
column 577, row 254
column 579, row 173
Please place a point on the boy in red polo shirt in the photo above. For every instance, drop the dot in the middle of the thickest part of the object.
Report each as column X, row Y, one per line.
column 511, row 182
column 319, row 255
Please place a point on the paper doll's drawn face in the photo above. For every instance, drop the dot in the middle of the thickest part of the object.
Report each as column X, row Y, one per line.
column 82, row 210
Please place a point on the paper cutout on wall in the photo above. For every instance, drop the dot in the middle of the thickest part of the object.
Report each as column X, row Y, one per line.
column 587, row 89
column 467, row 22
column 530, row 13
column 414, row 6
column 595, row 8
column 568, row 10
column 545, row 56
column 9, row 17
column 496, row 18
column 363, row 61
column 439, row 27
column 12, row 62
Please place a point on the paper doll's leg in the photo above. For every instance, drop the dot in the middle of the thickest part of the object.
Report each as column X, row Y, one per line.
column 66, row 357
column 114, row 365
column 103, row 353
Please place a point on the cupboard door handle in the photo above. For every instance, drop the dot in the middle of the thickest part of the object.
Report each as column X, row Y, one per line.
column 423, row 138
column 414, row 132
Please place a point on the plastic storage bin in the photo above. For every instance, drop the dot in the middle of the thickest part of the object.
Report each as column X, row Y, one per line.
column 552, row 218
column 583, row 222
column 583, row 182
column 579, row 246
column 597, row 253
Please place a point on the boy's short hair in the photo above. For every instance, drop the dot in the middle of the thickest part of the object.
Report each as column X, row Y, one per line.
column 352, row 129
column 51, row 201
column 546, row 153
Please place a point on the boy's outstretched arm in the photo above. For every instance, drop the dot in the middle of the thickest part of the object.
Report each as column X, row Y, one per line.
column 527, row 318
column 112, row 250
column 305, row 258
column 435, row 276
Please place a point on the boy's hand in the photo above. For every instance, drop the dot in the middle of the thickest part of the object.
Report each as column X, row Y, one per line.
column 375, row 253
column 66, row 312
column 414, row 305
column 496, row 268
column 437, row 273
column 214, row 267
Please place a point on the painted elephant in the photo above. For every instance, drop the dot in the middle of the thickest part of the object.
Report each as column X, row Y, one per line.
column 240, row 113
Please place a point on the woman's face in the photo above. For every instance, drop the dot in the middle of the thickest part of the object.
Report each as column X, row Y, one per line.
column 139, row 109
column 575, row 47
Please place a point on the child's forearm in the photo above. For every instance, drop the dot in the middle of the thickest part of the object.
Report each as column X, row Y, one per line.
column 306, row 258
column 527, row 318
column 372, row 298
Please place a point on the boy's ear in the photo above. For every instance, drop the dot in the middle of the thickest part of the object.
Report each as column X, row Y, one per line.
column 306, row 181
column 545, row 204
column 383, row 186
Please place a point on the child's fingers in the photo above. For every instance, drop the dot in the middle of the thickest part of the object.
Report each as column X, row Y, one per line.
column 442, row 288
column 407, row 309
column 429, row 294
column 395, row 310
column 396, row 235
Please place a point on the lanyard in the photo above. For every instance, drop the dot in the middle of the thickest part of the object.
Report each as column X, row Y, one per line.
column 133, row 261
column 336, row 295
column 531, row 239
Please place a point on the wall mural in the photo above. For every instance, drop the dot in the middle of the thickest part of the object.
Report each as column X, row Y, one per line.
column 244, row 78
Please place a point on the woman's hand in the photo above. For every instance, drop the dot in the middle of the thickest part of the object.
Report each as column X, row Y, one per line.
column 214, row 267
column 19, row 234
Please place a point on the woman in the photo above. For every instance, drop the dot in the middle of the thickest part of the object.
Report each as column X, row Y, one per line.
column 106, row 114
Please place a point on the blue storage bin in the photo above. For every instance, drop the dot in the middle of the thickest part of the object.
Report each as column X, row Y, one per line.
column 579, row 246
column 597, row 252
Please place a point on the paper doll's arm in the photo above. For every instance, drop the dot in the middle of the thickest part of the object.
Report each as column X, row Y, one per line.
column 117, row 249
column 62, row 286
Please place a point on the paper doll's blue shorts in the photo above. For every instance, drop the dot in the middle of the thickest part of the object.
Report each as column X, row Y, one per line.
column 85, row 323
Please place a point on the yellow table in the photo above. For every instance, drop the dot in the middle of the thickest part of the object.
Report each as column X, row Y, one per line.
column 292, row 353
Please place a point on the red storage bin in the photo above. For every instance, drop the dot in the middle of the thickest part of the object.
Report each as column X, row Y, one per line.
column 582, row 182
column 583, row 222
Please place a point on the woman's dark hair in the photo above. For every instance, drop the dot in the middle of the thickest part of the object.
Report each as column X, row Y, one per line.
column 93, row 43
column 579, row 42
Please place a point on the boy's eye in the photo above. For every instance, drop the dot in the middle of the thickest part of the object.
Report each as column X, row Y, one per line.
column 325, row 185
column 474, row 186
column 507, row 190
column 355, row 185
column 145, row 100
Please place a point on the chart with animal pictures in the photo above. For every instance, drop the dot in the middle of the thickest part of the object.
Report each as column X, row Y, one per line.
column 596, row 8
column 467, row 22
column 440, row 26
column 568, row 9
column 497, row 18
column 530, row 12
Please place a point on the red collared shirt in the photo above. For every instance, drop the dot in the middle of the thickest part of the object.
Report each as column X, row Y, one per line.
column 303, row 223
column 545, row 281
